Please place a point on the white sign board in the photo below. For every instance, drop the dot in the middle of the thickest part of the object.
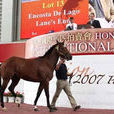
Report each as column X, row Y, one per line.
column 92, row 86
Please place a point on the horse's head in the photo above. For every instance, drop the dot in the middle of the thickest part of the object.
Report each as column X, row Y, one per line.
column 63, row 51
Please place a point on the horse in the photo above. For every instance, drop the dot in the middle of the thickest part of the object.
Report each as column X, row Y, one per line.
column 39, row 69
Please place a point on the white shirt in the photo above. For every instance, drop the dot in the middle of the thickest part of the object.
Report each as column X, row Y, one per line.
column 104, row 23
column 73, row 26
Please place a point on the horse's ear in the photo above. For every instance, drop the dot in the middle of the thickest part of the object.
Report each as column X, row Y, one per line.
column 63, row 42
column 57, row 47
column 57, row 41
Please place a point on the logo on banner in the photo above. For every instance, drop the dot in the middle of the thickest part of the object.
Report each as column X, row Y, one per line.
column 86, row 75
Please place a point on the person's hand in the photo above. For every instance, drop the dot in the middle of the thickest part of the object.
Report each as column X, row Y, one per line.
column 60, row 62
column 112, row 20
column 57, row 66
column 92, row 27
column 71, row 74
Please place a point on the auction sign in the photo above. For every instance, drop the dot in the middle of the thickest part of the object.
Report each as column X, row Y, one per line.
column 45, row 16
column 79, row 42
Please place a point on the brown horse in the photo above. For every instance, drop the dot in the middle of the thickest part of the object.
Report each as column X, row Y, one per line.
column 36, row 70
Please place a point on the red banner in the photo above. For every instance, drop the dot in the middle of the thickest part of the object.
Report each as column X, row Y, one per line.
column 11, row 49
column 42, row 16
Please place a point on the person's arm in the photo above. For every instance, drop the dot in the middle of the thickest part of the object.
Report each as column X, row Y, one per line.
column 58, row 65
column 75, row 26
column 67, row 25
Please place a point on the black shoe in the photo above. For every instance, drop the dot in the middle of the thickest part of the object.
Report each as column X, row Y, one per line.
column 77, row 107
column 53, row 109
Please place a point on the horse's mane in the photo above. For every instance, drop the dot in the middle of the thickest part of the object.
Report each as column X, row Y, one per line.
column 48, row 51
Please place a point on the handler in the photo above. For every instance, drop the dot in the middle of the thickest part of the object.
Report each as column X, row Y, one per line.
column 62, row 84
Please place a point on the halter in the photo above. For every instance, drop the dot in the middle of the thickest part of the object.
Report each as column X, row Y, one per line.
column 57, row 48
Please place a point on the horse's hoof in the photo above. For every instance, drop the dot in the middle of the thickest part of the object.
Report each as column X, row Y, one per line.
column 35, row 109
column 18, row 105
column 4, row 109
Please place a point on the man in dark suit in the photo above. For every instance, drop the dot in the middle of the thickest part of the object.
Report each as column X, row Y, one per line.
column 94, row 23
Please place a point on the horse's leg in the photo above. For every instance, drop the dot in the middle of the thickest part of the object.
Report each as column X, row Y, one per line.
column 46, row 88
column 3, row 87
column 41, row 86
column 15, row 81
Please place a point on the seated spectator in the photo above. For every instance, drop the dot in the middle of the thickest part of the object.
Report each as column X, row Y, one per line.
column 104, row 11
column 71, row 25
column 94, row 23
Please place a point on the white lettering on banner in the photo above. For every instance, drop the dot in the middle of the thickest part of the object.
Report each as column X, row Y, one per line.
column 104, row 35
column 56, row 13
column 43, row 23
column 35, row 16
column 62, row 21
column 88, row 46
column 71, row 12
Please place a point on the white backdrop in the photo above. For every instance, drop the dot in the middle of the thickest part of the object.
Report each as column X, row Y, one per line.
column 87, row 92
